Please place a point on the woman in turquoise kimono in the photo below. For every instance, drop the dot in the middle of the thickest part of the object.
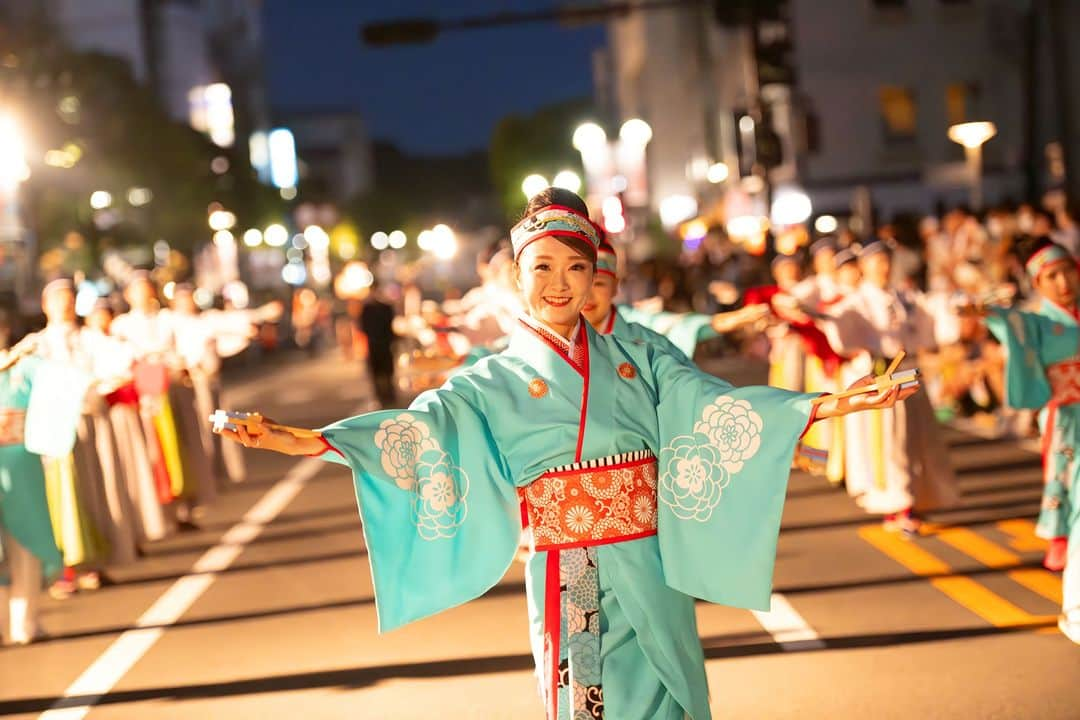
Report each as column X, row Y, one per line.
column 646, row 483
column 27, row 547
column 1042, row 372
column 679, row 333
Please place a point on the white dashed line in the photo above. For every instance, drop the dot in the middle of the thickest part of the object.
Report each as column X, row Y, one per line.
column 103, row 674
column 787, row 626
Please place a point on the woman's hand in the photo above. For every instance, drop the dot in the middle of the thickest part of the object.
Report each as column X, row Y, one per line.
column 263, row 437
column 833, row 406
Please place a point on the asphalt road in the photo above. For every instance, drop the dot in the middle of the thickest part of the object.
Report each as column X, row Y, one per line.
column 267, row 610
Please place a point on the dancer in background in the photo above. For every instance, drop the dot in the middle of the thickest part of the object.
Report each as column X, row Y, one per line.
column 28, row 549
column 90, row 509
column 823, row 446
column 1042, row 372
column 149, row 331
column 113, row 364
column 897, row 461
column 678, row 333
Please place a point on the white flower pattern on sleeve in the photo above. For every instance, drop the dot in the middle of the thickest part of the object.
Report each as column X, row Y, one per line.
column 695, row 469
column 417, row 463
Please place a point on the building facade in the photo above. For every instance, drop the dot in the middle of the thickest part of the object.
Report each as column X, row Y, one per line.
column 875, row 85
column 335, row 153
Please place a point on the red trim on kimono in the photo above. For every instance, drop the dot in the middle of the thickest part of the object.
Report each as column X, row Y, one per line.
column 559, row 344
column 552, row 628
column 583, row 342
column 326, row 446
column 813, row 417
column 609, row 326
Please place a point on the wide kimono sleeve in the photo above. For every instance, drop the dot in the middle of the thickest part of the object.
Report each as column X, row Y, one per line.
column 684, row 330
column 1026, row 385
column 724, row 462
column 440, row 515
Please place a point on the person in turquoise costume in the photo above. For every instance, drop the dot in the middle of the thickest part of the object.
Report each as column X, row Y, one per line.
column 679, row 333
column 646, row 483
column 28, row 549
column 1042, row 372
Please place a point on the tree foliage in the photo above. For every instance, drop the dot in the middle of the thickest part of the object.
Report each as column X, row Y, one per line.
column 92, row 105
column 536, row 143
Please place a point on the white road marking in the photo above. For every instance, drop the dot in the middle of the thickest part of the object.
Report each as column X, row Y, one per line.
column 103, row 674
column 787, row 626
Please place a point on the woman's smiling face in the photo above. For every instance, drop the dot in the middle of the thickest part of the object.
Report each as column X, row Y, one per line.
column 555, row 280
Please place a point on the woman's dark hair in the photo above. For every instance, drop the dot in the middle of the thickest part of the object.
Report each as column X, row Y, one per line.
column 556, row 196
column 1028, row 245
column 566, row 198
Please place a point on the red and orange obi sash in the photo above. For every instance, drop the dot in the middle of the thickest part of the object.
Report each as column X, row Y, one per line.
column 1064, row 380
column 593, row 502
column 572, row 509
column 12, row 426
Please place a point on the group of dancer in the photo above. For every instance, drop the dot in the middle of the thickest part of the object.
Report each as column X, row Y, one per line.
column 105, row 446
column 645, row 482
column 641, row 482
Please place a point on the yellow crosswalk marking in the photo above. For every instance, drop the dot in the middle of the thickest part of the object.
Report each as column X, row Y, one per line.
column 1039, row 581
column 907, row 553
column 991, row 607
column 1022, row 533
column 976, row 546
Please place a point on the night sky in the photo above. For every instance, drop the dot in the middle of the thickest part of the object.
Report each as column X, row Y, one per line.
column 441, row 98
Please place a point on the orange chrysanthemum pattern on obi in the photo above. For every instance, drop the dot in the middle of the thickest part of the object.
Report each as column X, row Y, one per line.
column 593, row 502
column 1064, row 380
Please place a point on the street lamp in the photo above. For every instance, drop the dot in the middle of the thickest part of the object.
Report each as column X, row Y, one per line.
column 13, row 167
column 276, row 235
column 100, row 199
column 253, row 237
column 635, row 131
column 221, row 220
column 591, row 141
column 717, row 173
column 589, row 138
column 791, row 206
column 972, row 135
column 568, row 180
column 634, row 136
column 532, row 185
column 444, row 242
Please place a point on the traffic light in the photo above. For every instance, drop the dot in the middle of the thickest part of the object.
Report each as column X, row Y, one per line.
column 770, row 23
column 757, row 144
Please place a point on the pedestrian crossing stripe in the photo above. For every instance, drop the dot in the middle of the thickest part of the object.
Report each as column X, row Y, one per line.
column 966, row 592
column 1022, row 534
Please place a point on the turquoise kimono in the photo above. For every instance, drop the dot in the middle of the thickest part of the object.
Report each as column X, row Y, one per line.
column 683, row 330
column 1042, row 373
column 439, row 487
column 24, row 510
column 620, row 327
